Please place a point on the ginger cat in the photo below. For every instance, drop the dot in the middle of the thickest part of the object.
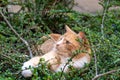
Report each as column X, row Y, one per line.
column 64, row 46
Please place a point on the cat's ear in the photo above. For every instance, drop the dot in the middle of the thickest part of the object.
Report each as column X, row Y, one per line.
column 55, row 36
column 81, row 35
column 68, row 29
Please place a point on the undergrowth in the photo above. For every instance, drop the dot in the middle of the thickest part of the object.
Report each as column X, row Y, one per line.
column 44, row 17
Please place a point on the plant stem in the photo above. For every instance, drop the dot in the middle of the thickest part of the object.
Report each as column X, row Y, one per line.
column 23, row 40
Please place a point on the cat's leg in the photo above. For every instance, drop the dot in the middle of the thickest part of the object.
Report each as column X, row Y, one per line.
column 80, row 60
column 26, row 72
column 63, row 65
column 48, row 57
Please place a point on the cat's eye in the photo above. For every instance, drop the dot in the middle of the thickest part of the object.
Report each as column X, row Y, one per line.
column 61, row 38
column 67, row 42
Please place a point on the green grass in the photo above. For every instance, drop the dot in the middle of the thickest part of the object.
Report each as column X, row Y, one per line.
column 32, row 26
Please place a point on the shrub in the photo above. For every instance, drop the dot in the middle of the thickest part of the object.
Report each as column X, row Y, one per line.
column 44, row 17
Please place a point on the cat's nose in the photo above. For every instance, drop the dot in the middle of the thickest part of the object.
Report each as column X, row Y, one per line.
column 57, row 44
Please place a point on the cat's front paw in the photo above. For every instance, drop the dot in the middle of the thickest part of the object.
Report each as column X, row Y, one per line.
column 26, row 71
column 27, row 65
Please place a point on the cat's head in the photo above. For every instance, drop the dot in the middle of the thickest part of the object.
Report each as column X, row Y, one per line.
column 68, row 42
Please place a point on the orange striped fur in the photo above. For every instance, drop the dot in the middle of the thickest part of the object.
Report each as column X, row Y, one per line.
column 63, row 48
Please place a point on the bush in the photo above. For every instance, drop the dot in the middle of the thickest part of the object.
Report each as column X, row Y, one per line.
column 44, row 17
